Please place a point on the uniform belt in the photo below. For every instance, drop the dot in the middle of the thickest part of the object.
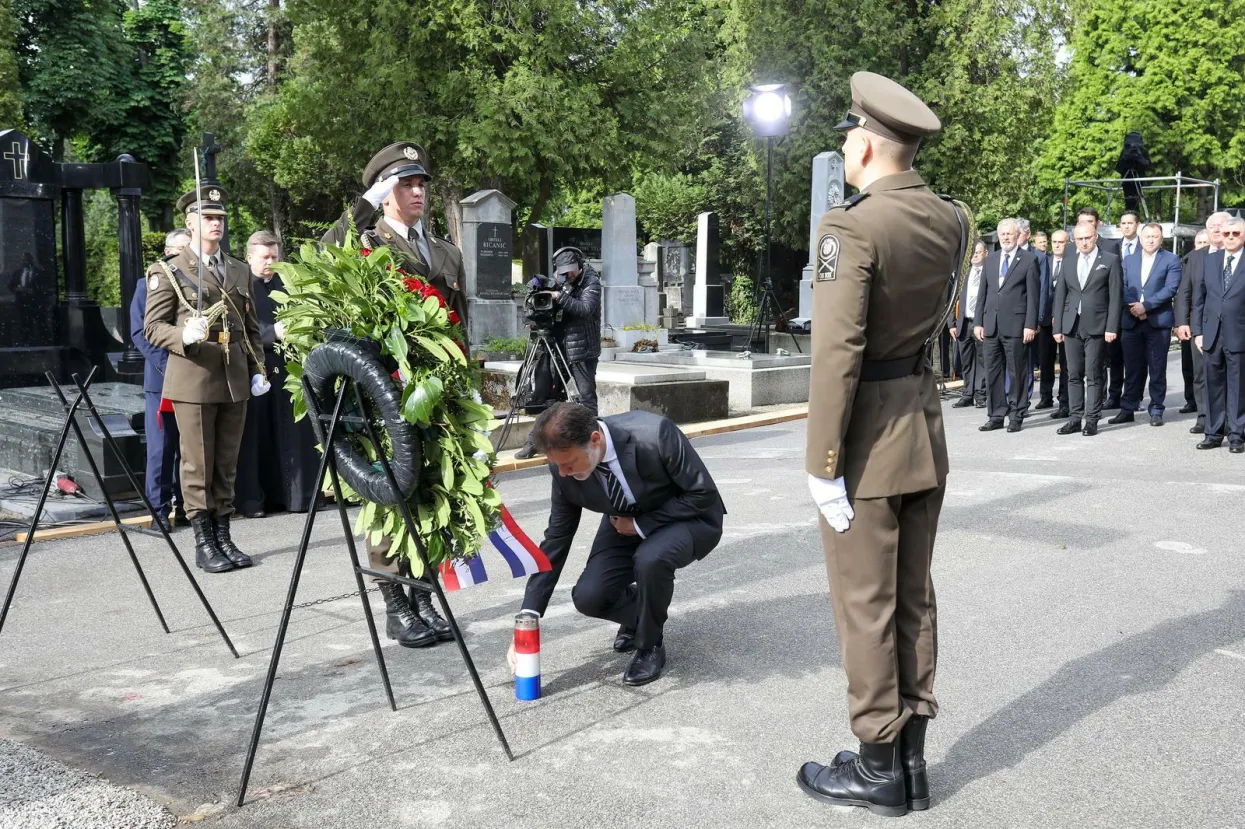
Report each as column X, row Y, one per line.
column 878, row 371
column 222, row 337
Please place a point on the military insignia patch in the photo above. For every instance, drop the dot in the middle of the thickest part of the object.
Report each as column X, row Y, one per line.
column 827, row 257
column 214, row 195
column 411, row 153
column 153, row 282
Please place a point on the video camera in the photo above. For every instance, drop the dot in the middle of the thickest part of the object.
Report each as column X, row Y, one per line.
column 538, row 306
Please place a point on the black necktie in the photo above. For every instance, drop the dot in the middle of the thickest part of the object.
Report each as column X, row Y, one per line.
column 1227, row 272
column 614, row 490
column 412, row 236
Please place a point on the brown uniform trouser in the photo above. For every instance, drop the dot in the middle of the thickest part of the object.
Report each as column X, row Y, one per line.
column 884, row 610
column 211, row 434
column 378, row 558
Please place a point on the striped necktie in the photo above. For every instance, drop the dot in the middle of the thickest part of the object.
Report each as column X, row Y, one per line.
column 614, row 490
column 1228, row 264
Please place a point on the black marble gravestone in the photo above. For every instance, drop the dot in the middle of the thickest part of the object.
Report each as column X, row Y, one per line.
column 494, row 250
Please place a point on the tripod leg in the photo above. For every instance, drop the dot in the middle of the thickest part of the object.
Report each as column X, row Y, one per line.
column 421, row 551
column 288, row 609
column 138, row 487
column 43, row 499
column 558, row 360
column 522, row 379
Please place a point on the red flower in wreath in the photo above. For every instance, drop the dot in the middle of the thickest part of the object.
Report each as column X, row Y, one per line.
column 454, row 318
column 366, row 251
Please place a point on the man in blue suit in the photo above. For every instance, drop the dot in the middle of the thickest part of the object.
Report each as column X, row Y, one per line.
column 1151, row 280
column 162, row 436
column 1219, row 332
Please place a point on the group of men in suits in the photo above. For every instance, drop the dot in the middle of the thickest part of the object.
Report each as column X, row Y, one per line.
column 1105, row 313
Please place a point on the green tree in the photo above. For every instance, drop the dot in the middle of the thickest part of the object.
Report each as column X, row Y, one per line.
column 1160, row 68
column 10, row 76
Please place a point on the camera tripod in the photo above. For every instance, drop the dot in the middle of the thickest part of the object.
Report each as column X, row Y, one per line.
column 540, row 346
column 768, row 305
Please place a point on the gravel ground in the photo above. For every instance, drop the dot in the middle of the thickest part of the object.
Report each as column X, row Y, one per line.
column 39, row 793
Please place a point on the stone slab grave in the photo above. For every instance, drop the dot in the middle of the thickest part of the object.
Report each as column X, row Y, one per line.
column 685, row 395
column 755, row 380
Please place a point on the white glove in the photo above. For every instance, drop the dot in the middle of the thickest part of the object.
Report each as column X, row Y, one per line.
column 380, row 191
column 481, row 456
column 259, row 385
column 195, row 330
column 278, row 328
column 831, row 498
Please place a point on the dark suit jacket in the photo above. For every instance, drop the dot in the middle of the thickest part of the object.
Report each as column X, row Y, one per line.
column 1100, row 301
column 1160, row 290
column 668, row 479
column 154, row 358
column 1008, row 311
column 959, row 320
column 1111, row 246
column 1190, row 280
column 1046, row 293
column 1219, row 318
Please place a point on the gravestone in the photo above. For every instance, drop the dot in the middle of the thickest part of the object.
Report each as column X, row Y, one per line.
column 623, row 297
column 488, row 247
column 537, row 251
column 587, row 239
column 828, row 190
column 708, row 293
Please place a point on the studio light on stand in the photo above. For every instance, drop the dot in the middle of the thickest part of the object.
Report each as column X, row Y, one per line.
column 768, row 110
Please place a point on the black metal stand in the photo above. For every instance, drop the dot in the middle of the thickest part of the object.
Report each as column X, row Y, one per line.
column 71, row 422
column 328, row 462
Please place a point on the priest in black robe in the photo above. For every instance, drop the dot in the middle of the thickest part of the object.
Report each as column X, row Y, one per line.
column 278, row 461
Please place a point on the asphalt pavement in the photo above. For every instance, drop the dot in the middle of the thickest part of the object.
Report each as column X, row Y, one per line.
column 1092, row 663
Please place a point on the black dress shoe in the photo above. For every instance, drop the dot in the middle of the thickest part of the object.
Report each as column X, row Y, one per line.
column 254, row 513
column 1122, row 417
column 1014, row 426
column 1197, row 429
column 1210, row 443
column 1236, row 447
column 1188, row 408
column 979, row 404
column 225, row 542
column 1069, row 428
column 1156, row 420
column 624, row 642
column 872, row 778
column 525, row 451
column 1059, row 414
column 429, row 616
column 1044, row 404
column 208, row 556
column 646, row 666
column 401, row 623
column 161, row 521
column 912, row 756
column 962, row 403
column 1112, row 403
column 1091, row 429
column 990, row 426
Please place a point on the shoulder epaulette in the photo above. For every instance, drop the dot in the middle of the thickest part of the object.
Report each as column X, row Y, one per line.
column 851, row 202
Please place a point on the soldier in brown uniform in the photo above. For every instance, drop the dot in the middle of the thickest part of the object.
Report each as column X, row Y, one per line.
column 876, row 455
column 199, row 308
column 397, row 185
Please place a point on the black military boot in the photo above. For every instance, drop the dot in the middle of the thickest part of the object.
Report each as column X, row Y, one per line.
column 226, row 545
column 208, row 555
column 401, row 622
column 873, row 778
column 912, row 756
column 428, row 614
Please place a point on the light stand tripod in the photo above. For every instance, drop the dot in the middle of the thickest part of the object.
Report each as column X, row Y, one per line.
column 767, row 303
column 540, row 346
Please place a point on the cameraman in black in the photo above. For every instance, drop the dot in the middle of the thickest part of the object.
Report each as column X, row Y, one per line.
column 578, row 305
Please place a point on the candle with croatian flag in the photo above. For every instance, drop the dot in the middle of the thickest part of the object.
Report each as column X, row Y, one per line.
column 527, row 656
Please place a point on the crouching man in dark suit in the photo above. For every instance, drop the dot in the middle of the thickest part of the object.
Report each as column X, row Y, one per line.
column 660, row 511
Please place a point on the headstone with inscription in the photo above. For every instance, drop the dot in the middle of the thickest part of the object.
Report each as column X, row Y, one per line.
column 828, row 190
column 537, row 250
column 587, row 239
column 488, row 248
column 623, row 297
column 708, row 293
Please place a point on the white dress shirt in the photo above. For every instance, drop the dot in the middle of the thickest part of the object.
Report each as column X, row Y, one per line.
column 974, row 285
column 1147, row 265
column 421, row 240
column 611, row 460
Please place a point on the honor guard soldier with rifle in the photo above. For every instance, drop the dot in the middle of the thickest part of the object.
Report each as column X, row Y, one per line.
column 888, row 264
column 199, row 307
column 397, row 185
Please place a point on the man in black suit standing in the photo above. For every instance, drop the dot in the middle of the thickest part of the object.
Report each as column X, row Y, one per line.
column 660, row 512
column 972, row 367
column 1219, row 333
column 1200, row 240
column 1088, row 215
column 1088, row 300
column 1130, row 255
column 1190, row 282
column 1006, row 322
column 1023, row 233
column 1048, row 349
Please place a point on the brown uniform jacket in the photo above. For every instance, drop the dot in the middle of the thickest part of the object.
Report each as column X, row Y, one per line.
column 884, row 261
column 199, row 373
column 445, row 272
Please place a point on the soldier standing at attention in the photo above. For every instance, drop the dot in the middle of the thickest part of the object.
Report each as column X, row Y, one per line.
column 212, row 335
column 397, row 185
column 876, row 455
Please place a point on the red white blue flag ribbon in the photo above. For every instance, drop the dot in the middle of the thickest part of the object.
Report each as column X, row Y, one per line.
column 521, row 553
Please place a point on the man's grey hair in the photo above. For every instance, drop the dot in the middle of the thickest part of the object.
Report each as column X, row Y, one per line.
column 1201, row 234
column 1022, row 225
column 1005, row 222
column 1233, row 221
column 174, row 238
column 1219, row 218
